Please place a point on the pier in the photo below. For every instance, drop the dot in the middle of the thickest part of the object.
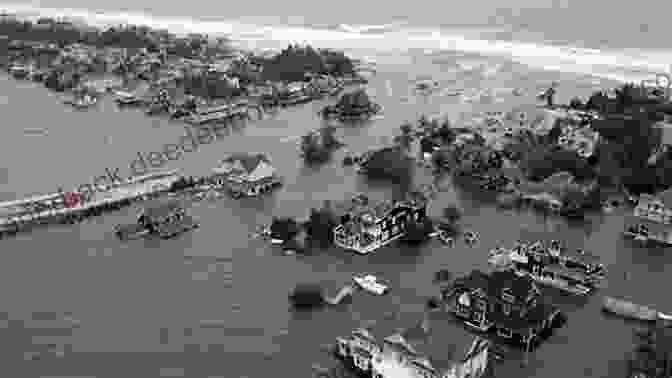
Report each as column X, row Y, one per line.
column 16, row 216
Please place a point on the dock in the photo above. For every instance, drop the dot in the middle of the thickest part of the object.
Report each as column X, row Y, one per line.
column 49, row 209
column 220, row 114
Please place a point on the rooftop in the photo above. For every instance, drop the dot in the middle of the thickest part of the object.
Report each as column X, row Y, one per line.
column 361, row 205
column 248, row 161
column 433, row 340
column 494, row 283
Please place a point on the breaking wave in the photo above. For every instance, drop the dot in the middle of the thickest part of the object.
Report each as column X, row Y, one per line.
column 395, row 38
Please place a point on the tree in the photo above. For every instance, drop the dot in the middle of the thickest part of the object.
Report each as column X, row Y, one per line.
column 445, row 132
column 389, row 163
column 451, row 213
column 576, row 103
column 544, row 161
column 598, row 101
column 405, row 139
column 320, row 225
column 284, row 228
column 312, row 148
column 328, row 135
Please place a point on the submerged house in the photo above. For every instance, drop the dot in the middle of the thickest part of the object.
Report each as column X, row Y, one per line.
column 652, row 218
column 165, row 218
column 366, row 225
column 246, row 174
column 504, row 302
column 428, row 350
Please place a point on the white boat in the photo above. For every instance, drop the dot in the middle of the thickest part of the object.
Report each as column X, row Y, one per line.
column 277, row 241
column 83, row 102
column 370, row 283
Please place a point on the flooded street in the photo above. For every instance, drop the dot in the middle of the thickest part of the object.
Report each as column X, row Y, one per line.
column 151, row 296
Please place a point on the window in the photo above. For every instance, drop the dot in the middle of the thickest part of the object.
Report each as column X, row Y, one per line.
column 504, row 332
column 506, row 308
column 507, row 296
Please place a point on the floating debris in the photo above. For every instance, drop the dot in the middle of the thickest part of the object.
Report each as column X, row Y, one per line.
column 632, row 311
column 35, row 131
column 212, row 323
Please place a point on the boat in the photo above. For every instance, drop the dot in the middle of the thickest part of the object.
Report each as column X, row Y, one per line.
column 126, row 98
column 371, row 284
column 632, row 311
column 19, row 71
column 82, row 102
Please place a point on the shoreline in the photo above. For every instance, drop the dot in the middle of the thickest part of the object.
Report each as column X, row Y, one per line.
column 583, row 61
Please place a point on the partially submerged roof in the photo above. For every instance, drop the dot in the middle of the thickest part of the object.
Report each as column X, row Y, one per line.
column 436, row 342
column 246, row 161
column 431, row 340
column 494, row 283
column 362, row 205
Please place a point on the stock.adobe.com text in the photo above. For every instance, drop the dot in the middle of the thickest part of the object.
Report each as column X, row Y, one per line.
column 193, row 138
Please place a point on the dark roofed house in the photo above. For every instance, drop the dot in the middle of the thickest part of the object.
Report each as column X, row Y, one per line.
column 503, row 301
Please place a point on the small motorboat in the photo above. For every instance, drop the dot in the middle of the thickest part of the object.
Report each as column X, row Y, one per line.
column 371, row 284
column 633, row 311
column 82, row 102
column 126, row 98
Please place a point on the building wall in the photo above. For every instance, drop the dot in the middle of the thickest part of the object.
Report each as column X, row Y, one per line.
column 656, row 230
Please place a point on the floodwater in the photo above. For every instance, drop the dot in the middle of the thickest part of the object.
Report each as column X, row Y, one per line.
column 150, row 296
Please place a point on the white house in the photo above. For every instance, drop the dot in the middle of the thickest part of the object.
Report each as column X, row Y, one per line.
column 247, row 174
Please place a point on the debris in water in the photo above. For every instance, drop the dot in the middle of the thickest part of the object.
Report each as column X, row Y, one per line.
column 35, row 131
column 212, row 323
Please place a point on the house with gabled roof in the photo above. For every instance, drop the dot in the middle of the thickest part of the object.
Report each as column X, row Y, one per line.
column 652, row 218
column 366, row 225
column 502, row 301
column 434, row 348
column 246, row 174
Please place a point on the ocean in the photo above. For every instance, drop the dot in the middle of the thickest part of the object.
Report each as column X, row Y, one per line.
column 138, row 304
